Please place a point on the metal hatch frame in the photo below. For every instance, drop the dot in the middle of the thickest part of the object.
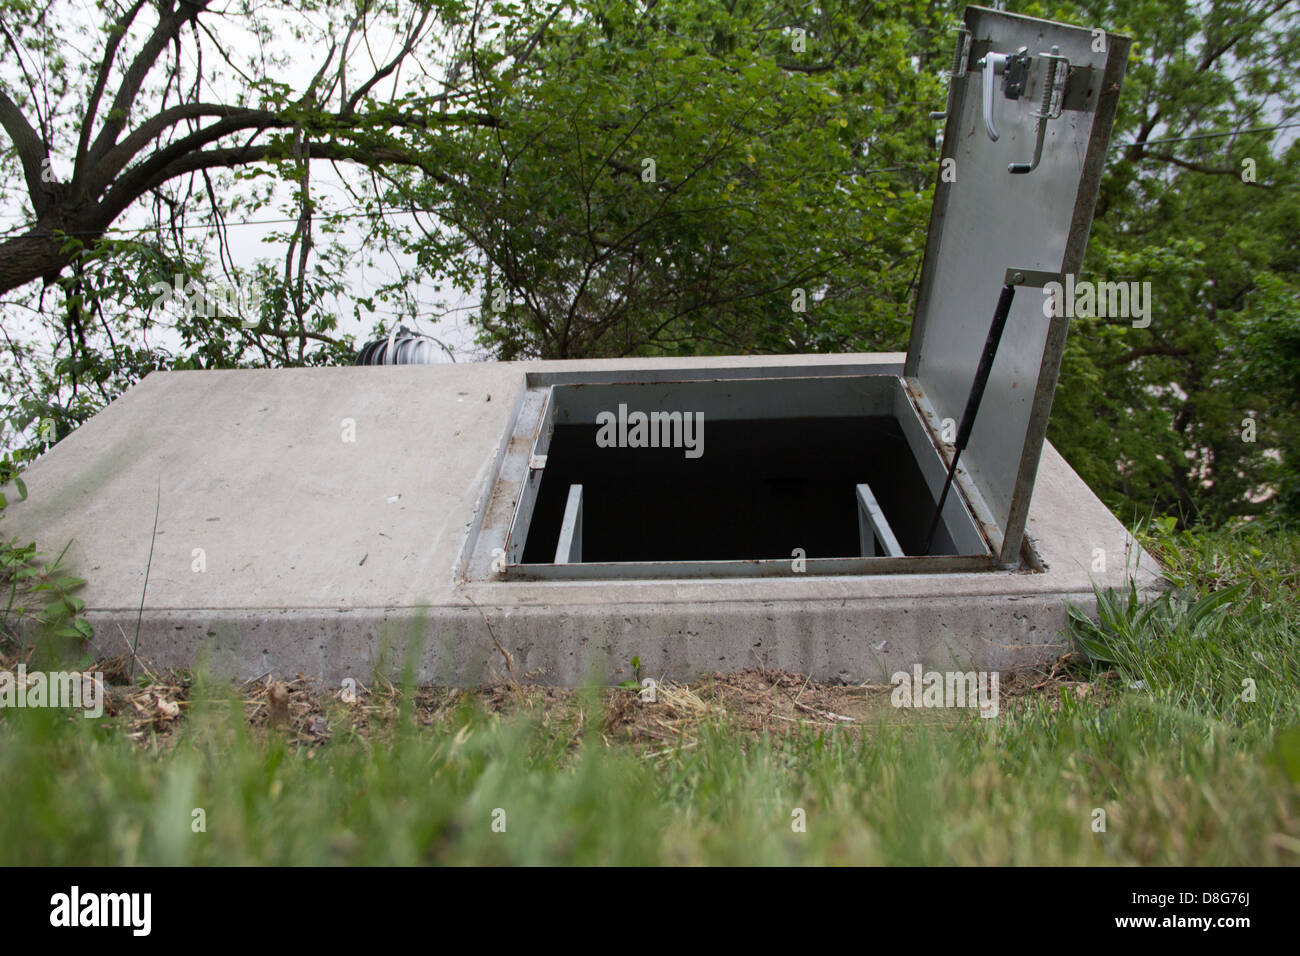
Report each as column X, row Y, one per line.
column 968, row 251
column 744, row 393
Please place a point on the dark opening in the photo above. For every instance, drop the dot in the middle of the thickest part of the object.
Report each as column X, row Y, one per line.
column 761, row 489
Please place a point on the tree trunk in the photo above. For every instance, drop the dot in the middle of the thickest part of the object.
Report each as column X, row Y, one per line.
column 38, row 254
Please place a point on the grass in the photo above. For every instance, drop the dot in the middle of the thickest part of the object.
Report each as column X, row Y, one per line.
column 1150, row 728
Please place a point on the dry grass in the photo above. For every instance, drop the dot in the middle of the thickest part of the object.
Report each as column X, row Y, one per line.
column 756, row 701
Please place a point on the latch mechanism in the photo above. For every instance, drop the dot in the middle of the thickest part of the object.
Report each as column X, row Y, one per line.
column 1016, row 73
column 959, row 59
column 1014, row 69
column 1053, row 104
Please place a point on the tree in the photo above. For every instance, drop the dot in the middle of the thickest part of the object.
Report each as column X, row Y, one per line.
column 686, row 176
column 1201, row 200
column 187, row 126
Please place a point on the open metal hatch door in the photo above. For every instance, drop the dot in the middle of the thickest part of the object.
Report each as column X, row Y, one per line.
column 1030, row 112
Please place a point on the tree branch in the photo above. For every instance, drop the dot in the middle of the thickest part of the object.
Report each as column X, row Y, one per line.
column 1199, row 168
column 31, row 151
column 1132, row 355
column 168, row 29
column 115, row 34
column 141, row 180
column 412, row 37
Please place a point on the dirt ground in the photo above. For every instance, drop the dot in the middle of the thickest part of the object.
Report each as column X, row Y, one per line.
column 755, row 701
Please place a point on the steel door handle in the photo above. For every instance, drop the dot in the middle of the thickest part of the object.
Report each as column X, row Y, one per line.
column 994, row 64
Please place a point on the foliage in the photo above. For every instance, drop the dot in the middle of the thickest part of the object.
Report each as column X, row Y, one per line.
column 1155, row 419
column 41, row 598
column 1229, row 618
column 688, row 177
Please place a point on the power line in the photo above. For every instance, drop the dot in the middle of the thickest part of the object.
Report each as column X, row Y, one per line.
column 1188, row 139
column 16, row 232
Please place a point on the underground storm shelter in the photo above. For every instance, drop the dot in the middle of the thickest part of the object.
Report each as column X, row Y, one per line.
column 843, row 516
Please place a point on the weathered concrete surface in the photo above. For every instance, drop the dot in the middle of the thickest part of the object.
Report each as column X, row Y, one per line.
column 283, row 547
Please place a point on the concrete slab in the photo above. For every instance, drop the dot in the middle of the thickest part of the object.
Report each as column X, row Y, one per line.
column 322, row 521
